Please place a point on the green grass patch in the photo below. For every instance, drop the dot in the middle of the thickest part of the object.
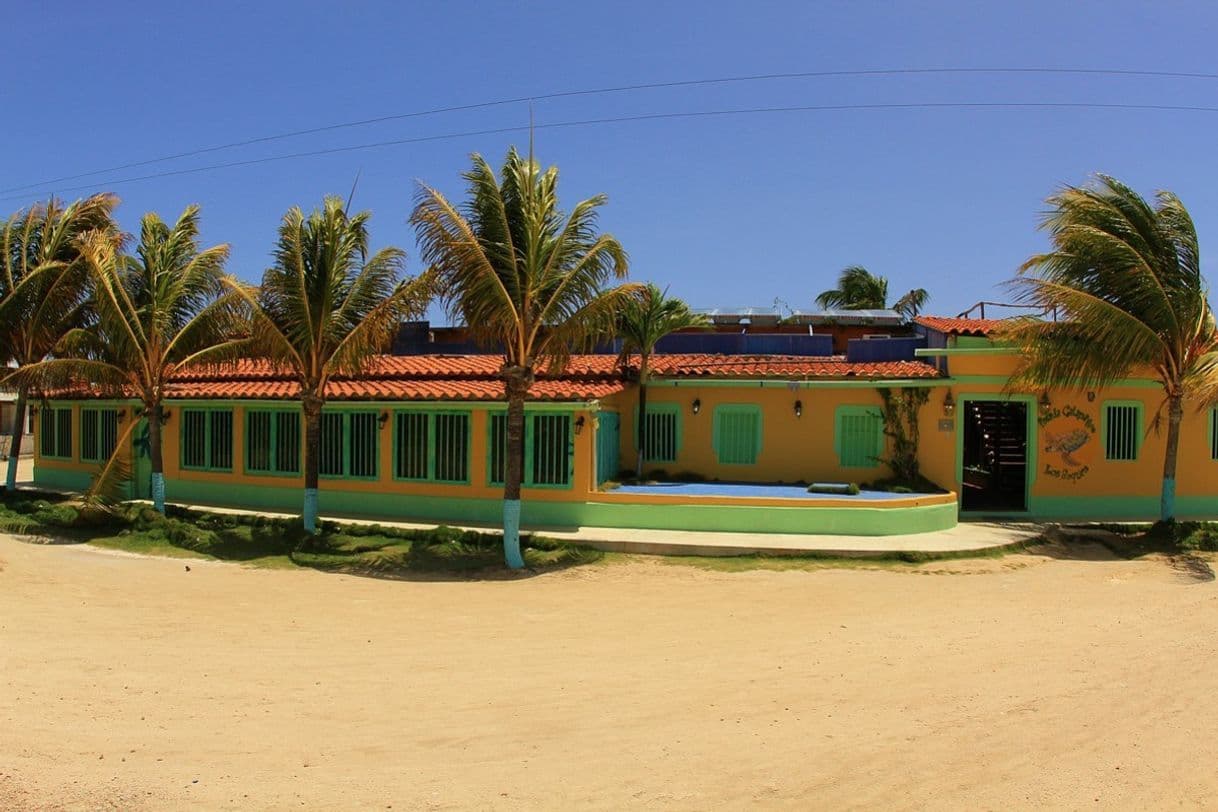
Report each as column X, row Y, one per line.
column 278, row 543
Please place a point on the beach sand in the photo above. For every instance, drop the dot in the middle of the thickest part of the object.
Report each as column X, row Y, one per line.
column 1065, row 680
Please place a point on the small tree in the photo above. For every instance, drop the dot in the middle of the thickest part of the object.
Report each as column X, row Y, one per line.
column 901, row 410
column 156, row 311
column 527, row 280
column 44, row 289
column 1127, row 277
column 641, row 325
column 859, row 289
column 327, row 308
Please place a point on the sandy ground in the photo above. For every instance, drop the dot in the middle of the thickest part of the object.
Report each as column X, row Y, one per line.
column 130, row 683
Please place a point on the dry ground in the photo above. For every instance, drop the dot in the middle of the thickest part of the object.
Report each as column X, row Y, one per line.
column 130, row 683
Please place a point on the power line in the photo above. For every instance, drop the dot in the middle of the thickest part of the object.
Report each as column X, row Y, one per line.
column 622, row 89
column 655, row 117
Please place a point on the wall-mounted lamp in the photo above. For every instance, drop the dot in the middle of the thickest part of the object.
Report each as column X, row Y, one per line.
column 165, row 415
column 697, row 405
column 34, row 410
column 382, row 419
column 121, row 414
column 1091, row 397
column 1044, row 400
column 949, row 404
column 799, row 408
column 579, row 424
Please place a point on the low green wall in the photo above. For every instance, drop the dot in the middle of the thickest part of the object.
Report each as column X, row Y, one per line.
column 58, row 479
column 1119, row 508
column 852, row 521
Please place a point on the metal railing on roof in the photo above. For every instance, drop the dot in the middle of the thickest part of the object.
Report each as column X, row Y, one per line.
column 980, row 306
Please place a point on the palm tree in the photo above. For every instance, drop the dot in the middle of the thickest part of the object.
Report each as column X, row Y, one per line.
column 156, row 311
column 641, row 324
column 859, row 289
column 44, row 288
column 326, row 308
column 1127, row 277
column 526, row 279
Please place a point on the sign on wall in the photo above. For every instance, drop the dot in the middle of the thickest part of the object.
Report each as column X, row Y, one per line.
column 1067, row 435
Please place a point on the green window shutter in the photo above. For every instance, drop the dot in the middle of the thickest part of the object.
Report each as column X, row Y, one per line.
column 90, row 424
column 287, row 442
column 194, row 438
column 859, row 436
column 1122, row 430
column 258, row 441
column 63, row 433
column 411, row 439
column 737, row 434
column 207, row 439
column 452, row 447
column 364, row 437
column 220, row 442
column 107, row 434
column 46, row 433
column 330, row 460
column 663, row 432
column 551, row 449
column 497, row 448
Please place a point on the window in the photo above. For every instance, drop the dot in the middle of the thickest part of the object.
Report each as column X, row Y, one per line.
column 207, row 439
column 547, row 449
column 98, row 434
column 349, row 444
column 1122, row 430
column 663, row 432
column 551, row 450
column 432, row 446
column 56, row 439
column 858, row 436
column 1214, row 434
column 272, row 442
column 737, row 434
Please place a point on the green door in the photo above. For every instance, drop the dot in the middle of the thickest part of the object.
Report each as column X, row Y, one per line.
column 608, row 446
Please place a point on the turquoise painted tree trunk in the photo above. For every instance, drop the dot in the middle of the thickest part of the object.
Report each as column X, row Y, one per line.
column 311, row 407
column 156, row 425
column 1167, row 502
column 513, row 474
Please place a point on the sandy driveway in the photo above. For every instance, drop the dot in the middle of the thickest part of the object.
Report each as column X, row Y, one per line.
column 129, row 683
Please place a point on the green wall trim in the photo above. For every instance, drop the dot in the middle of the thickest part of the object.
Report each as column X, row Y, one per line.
column 61, row 480
column 1002, row 380
column 539, row 514
column 423, row 405
column 929, row 352
column 1116, row 508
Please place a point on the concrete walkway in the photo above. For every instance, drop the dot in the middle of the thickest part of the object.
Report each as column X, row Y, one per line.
column 967, row 536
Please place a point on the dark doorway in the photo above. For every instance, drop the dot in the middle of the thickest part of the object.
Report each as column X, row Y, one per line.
column 994, row 470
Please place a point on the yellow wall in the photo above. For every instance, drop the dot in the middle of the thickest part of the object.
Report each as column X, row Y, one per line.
column 581, row 474
column 793, row 449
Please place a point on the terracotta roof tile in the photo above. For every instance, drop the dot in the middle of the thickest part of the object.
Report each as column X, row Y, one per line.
column 960, row 327
column 475, row 377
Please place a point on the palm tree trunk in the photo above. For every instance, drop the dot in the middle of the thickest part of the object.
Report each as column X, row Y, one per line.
column 311, row 406
column 155, row 414
column 642, row 432
column 518, row 380
column 1167, row 503
column 14, row 448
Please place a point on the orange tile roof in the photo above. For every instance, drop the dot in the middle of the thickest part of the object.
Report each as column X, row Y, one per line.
column 960, row 327
column 475, row 377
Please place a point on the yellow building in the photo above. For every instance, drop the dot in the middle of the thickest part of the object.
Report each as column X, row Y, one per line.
column 734, row 442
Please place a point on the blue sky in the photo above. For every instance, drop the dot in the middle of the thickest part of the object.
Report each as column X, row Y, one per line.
column 725, row 211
